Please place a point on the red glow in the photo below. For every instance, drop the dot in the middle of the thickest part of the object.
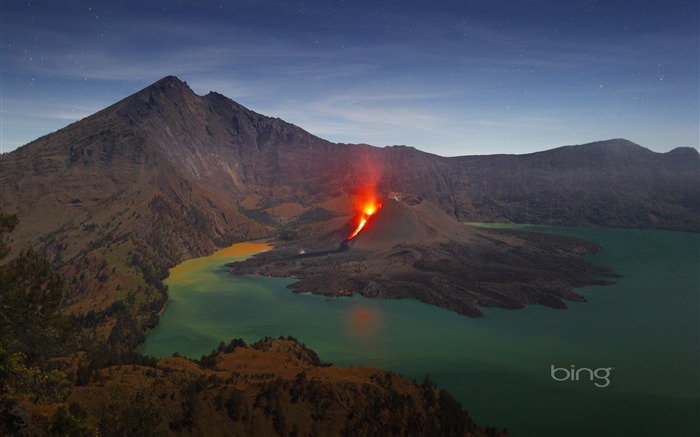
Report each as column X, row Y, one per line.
column 364, row 320
column 370, row 207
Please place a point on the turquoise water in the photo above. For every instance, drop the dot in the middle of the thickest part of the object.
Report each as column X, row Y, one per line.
column 645, row 329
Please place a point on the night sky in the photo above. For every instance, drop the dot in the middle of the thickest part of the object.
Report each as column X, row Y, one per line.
column 447, row 77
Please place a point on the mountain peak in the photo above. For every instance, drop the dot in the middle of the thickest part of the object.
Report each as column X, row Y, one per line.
column 171, row 82
column 617, row 144
column 169, row 85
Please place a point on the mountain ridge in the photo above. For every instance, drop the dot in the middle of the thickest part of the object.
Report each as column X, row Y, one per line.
column 239, row 137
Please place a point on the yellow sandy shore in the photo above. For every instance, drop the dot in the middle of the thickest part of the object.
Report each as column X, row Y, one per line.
column 238, row 249
column 241, row 249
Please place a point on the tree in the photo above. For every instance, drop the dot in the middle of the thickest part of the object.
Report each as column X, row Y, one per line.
column 135, row 414
column 64, row 423
column 30, row 327
column 30, row 299
column 7, row 224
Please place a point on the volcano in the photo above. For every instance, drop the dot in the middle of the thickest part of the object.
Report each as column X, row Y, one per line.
column 117, row 198
column 411, row 249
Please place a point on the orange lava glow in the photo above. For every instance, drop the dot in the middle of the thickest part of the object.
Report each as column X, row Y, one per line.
column 364, row 320
column 369, row 209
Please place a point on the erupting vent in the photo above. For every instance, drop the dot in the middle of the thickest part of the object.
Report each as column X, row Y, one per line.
column 370, row 208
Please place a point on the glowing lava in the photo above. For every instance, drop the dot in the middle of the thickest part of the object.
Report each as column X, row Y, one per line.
column 370, row 208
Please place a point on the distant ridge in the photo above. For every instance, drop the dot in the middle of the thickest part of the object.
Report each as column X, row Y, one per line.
column 607, row 183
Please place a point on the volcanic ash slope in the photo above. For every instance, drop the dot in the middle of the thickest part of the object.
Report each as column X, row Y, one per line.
column 411, row 248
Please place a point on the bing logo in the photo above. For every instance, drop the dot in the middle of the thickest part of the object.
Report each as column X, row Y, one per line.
column 600, row 377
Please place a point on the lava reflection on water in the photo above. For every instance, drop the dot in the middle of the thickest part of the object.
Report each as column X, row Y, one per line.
column 364, row 320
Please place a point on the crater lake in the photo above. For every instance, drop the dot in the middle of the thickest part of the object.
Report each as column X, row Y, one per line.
column 634, row 344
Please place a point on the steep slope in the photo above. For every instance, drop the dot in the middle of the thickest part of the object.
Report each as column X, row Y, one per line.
column 119, row 197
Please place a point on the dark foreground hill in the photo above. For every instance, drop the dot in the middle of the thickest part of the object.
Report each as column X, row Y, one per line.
column 272, row 388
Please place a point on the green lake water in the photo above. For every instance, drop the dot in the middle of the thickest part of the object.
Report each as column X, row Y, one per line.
column 645, row 328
